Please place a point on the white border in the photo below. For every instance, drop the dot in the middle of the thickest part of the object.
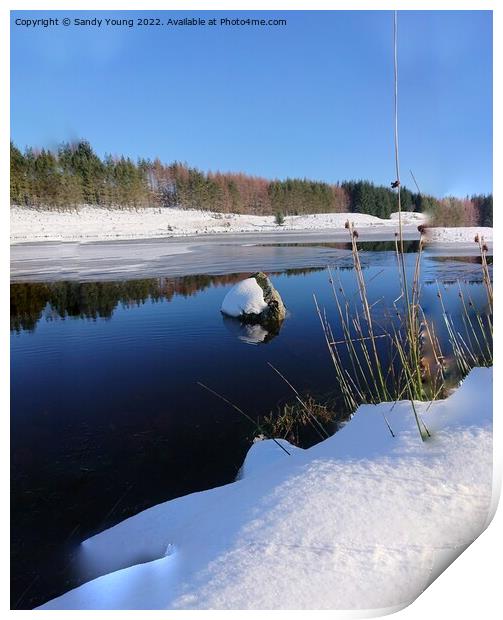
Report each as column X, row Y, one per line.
column 470, row 587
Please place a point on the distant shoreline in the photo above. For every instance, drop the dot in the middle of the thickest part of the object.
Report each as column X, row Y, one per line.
column 100, row 224
column 95, row 224
column 207, row 254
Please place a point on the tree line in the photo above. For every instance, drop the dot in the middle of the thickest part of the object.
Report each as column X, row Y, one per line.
column 73, row 175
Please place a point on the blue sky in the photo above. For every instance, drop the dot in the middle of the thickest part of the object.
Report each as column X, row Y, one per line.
column 311, row 99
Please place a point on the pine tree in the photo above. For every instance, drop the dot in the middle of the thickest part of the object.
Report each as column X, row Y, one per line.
column 75, row 175
column 18, row 181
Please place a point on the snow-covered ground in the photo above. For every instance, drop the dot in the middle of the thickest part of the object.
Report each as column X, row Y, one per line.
column 95, row 224
column 363, row 520
column 460, row 234
column 409, row 217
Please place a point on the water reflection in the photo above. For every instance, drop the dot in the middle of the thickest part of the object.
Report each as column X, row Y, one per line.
column 107, row 418
column 365, row 246
column 32, row 301
column 250, row 333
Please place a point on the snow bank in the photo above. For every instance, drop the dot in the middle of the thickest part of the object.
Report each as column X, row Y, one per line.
column 465, row 234
column 95, row 224
column 264, row 453
column 246, row 297
column 363, row 520
column 410, row 217
column 98, row 224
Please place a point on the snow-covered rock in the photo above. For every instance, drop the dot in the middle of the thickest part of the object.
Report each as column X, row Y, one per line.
column 363, row 520
column 245, row 297
column 255, row 300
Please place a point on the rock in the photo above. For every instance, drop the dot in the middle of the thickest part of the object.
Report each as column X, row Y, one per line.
column 275, row 311
column 255, row 300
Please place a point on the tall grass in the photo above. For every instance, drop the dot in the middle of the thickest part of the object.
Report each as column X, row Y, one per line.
column 297, row 422
column 473, row 345
column 400, row 356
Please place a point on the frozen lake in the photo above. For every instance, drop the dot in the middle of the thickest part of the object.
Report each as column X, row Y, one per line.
column 210, row 254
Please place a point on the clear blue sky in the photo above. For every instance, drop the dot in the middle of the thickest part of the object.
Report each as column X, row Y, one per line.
column 313, row 99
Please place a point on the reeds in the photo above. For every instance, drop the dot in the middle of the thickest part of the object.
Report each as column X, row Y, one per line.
column 292, row 420
column 399, row 357
column 472, row 346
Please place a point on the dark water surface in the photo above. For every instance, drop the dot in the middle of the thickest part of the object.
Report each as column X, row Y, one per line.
column 107, row 418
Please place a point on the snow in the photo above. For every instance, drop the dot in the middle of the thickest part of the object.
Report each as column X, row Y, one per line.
column 264, row 453
column 460, row 234
column 410, row 217
column 97, row 224
column 362, row 520
column 245, row 297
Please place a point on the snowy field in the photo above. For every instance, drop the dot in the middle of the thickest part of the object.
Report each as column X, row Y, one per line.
column 460, row 234
column 98, row 224
column 363, row 520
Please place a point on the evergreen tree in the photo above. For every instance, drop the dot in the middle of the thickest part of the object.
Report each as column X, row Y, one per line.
column 19, row 194
column 75, row 175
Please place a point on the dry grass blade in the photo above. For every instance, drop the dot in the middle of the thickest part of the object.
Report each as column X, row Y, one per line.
column 317, row 426
column 239, row 410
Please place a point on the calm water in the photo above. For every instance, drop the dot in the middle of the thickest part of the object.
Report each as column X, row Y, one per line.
column 107, row 418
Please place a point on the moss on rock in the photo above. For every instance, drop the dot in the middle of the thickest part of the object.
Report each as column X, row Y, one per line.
column 275, row 312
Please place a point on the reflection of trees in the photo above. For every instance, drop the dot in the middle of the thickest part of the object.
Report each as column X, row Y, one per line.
column 366, row 246
column 297, row 271
column 27, row 302
column 454, row 281
column 388, row 246
column 475, row 260
column 92, row 300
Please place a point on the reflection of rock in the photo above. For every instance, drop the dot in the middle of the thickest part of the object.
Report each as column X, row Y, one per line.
column 256, row 301
column 250, row 333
